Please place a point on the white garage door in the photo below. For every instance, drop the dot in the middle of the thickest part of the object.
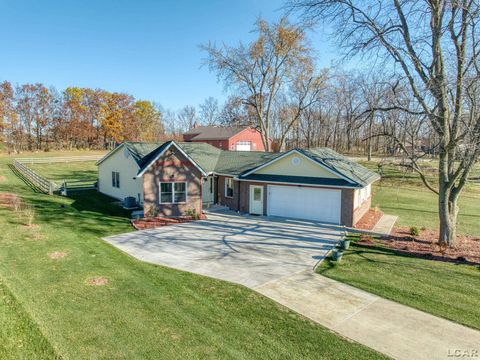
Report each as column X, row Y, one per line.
column 243, row 146
column 304, row 203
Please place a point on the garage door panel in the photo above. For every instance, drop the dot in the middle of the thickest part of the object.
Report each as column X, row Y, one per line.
column 304, row 203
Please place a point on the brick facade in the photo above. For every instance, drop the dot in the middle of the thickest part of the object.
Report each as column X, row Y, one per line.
column 349, row 215
column 171, row 167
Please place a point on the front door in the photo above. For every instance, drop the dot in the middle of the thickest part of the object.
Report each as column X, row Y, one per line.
column 208, row 192
column 256, row 199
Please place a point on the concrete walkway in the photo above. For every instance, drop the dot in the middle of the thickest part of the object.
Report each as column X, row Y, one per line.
column 388, row 327
column 385, row 224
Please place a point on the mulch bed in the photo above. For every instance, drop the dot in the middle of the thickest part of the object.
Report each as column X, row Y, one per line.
column 369, row 220
column 150, row 223
column 466, row 249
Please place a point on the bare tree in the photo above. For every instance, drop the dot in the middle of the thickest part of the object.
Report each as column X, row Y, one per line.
column 434, row 46
column 233, row 112
column 186, row 118
column 260, row 70
column 209, row 111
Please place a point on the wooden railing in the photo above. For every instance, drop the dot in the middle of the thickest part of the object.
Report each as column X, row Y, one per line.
column 35, row 179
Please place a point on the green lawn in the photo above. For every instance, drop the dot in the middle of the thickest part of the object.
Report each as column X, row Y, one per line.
column 402, row 193
column 443, row 289
column 83, row 170
column 48, row 310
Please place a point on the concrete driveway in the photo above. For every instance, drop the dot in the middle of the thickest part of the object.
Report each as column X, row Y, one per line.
column 275, row 257
column 248, row 250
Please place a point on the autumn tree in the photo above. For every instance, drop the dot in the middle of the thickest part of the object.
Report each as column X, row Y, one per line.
column 432, row 46
column 260, row 70
column 147, row 121
column 8, row 117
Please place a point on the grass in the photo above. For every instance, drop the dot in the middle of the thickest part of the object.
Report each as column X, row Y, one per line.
column 83, row 170
column 403, row 194
column 145, row 311
column 443, row 289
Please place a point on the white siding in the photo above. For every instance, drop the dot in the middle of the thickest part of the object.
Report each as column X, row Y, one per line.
column 122, row 162
column 361, row 195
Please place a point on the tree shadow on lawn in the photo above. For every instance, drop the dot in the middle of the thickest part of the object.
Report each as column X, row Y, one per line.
column 90, row 212
column 25, row 180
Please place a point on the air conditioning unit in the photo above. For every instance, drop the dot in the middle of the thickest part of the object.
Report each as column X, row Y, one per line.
column 129, row 202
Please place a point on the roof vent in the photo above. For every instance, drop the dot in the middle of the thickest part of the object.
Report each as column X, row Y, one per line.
column 296, row 161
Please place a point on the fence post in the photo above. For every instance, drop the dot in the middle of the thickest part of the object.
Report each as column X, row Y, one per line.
column 50, row 188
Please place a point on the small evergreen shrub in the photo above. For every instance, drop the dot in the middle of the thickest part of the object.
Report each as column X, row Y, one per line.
column 414, row 231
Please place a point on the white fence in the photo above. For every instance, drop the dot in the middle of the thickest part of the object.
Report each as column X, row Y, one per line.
column 35, row 179
column 59, row 159
column 48, row 186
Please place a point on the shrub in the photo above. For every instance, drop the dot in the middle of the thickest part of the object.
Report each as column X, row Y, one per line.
column 192, row 213
column 414, row 231
column 28, row 213
column 366, row 238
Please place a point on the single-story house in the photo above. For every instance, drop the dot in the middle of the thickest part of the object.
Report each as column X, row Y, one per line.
column 172, row 178
column 238, row 138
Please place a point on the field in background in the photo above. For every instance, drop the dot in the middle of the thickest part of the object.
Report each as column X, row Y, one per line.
column 402, row 193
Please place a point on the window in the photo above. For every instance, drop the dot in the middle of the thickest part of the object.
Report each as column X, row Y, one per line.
column 257, row 194
column 173, row 192
column 115, row 179
column 180, row 192
column 229, row 187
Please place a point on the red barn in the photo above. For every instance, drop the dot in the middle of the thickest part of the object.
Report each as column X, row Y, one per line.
column 227, row 138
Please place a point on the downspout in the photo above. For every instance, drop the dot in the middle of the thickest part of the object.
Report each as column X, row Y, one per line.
column 238, row 195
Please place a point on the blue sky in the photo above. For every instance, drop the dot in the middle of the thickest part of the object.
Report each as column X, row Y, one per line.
column 145, row 48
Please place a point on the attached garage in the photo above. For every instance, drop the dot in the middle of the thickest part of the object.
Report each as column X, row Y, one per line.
column 305, row 203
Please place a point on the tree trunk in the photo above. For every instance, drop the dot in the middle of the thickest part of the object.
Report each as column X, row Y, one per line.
column 448, row 211
column 447, row 205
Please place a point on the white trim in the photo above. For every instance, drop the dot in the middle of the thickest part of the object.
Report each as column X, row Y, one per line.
column 163, row 151
column 225, row 187
column 297, row 184
column 301, row 154
column 173, row 192
column 251, row 191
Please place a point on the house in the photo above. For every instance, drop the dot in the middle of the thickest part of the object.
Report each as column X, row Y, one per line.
column 227, row 138
column 173, row 178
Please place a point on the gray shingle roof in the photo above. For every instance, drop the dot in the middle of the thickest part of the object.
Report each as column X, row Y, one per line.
column 214, row 132
column 342, row 165
column 211, row 159
column 238, row 162
column 140, row 150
